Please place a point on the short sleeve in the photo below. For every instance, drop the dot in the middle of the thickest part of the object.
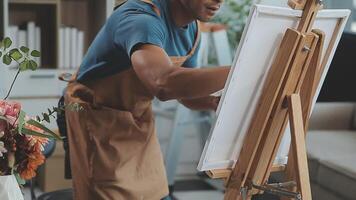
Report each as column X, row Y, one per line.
column 192, row 62
column 137, row 29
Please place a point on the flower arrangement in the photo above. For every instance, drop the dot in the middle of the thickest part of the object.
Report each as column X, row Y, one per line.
column 21, row 138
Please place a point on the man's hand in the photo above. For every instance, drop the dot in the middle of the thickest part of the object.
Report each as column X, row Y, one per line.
column 203, row 103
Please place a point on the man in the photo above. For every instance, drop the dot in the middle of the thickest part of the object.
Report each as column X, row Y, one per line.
column 146, row 49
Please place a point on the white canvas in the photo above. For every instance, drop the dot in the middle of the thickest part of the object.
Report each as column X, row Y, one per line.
column 262, row 36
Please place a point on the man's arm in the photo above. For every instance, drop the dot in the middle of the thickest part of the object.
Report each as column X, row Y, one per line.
column 165, row 81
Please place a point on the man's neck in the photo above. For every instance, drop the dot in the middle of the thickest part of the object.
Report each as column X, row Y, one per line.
column 180, row 14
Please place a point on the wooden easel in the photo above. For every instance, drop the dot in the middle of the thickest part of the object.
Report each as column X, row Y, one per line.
column 289, row 91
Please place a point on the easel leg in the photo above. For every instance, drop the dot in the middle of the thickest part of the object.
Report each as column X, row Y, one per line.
column 298, row 146
column 306, row 94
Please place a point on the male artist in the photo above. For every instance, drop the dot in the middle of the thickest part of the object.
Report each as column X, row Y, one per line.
column 146, row 49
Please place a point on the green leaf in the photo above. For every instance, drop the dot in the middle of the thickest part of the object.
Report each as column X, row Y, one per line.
column 15, row 54
column 36, row 53
column 46, row 117
column 24, row 65
column 0, row 53
column 27, row 131
column 22, row 121
column 32, row 65
column 24, row 49
column 6, row 59
column 19, row 180
column 39, row 125
column 7, row 42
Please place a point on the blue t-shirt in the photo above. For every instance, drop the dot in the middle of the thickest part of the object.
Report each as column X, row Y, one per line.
column 133, row 23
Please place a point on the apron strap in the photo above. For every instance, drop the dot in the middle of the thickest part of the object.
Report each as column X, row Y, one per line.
column 197, row 39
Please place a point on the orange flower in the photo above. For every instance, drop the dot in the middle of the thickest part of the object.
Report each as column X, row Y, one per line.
column 36, row 143
column 28, row 174
column 35, row 159
column 33, row 162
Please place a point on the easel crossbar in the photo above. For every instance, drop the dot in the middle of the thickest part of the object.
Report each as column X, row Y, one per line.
column 225, row 173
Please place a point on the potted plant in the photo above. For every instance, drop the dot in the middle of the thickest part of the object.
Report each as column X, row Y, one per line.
column 22, row 138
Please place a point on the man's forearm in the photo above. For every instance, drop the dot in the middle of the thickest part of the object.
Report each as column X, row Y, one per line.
column 185, row 83
column 165, row 80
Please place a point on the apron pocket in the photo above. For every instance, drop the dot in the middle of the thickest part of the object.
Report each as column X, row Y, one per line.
column 118, row 140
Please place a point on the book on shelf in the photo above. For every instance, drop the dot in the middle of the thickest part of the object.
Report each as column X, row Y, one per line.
column 71, row 43
column 22, row 38
column 31, row 37
column 71, row 48
column 80, row 50
column 38, row 43
column 66, row 46
column 34, row 38
column 61, row 49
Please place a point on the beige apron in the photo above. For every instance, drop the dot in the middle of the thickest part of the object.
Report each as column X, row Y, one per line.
column 114, row 150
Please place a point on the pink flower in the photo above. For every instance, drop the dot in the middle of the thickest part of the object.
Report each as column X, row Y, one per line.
column 10, row 110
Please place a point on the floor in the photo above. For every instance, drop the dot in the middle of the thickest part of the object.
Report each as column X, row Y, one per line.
column 193, row 189
column 199, row 195
column 184, row 190
column 197, row 189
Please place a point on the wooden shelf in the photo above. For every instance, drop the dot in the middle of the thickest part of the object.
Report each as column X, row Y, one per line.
column 45, row 15
column 2, row 19
column 90, row 18
column 34, row 1
column 85, row 15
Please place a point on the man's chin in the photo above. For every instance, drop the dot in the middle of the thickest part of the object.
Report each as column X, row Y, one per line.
column 205, row 18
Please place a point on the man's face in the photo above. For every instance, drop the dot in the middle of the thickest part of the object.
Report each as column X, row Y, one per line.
column 202, row 10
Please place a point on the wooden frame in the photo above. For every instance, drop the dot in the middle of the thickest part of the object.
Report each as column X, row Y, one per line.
column 91, row 17
column 3, row 18
column 46, row 14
